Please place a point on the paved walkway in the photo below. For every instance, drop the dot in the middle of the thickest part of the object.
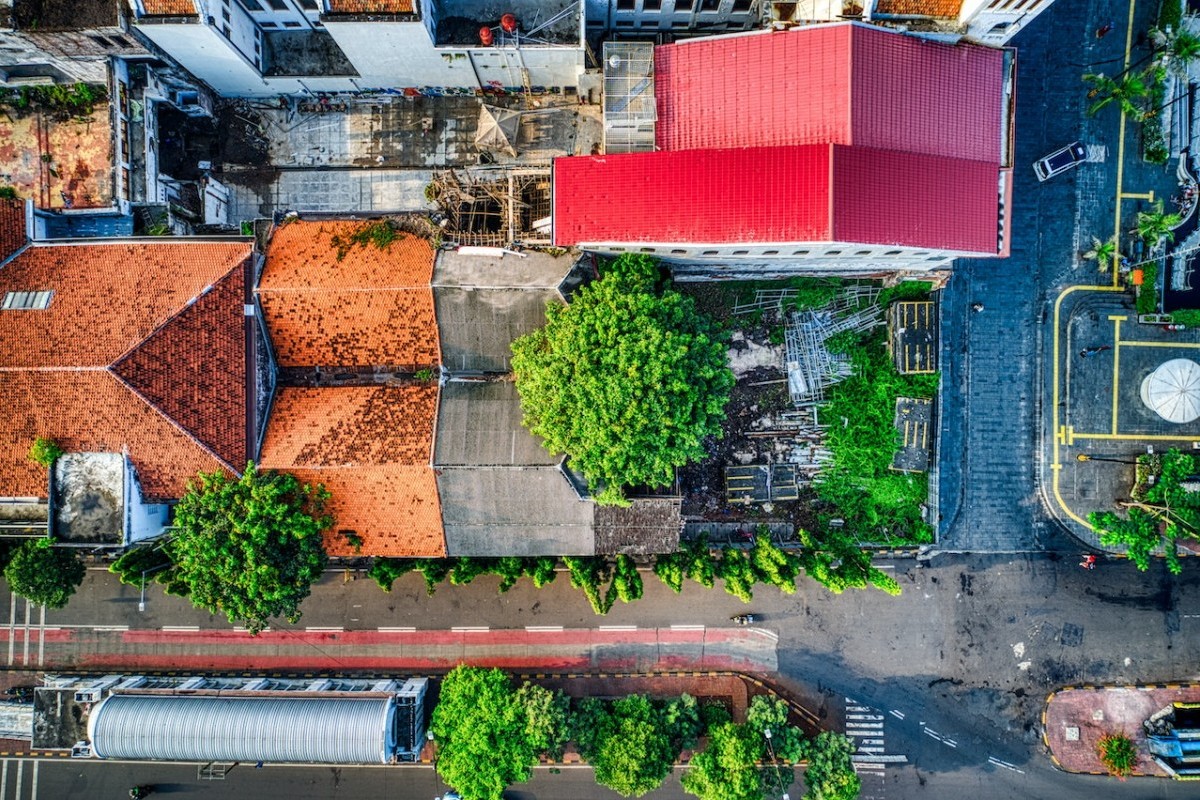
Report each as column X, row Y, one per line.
column 1076, row 718
column 546, row 649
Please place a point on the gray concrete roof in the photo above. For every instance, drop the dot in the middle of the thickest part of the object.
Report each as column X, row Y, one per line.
column 520, row 511
column 479, row 425
column 533, row 271
column 477, row 326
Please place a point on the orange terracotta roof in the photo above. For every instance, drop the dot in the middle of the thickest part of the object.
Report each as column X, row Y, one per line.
column 91, row 411
column 372, row 308
column 108, row 298
column 77, row 372
column 12, row 227
column 193, row 368
column 371, row 447
column 169, row 8
column 924, row 8
column 370, row 6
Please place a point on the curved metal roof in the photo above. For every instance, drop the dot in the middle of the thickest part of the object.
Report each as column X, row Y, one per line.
column 277, row 729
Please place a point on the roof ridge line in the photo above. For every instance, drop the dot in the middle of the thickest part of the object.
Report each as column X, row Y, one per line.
column 154, row 407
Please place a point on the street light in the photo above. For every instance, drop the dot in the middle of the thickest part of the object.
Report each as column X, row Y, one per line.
column 775, row 763
column 1087, row 457
column 145, row 572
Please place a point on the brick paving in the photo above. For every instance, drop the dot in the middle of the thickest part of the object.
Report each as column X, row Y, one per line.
column 1076, row 718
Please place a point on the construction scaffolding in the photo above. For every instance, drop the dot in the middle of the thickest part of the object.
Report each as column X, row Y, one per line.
column 811, row 367
column 494, row 207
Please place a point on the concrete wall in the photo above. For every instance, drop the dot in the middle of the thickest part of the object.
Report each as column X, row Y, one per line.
column 205, row 53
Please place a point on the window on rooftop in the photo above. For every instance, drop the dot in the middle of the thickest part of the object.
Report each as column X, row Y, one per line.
column 250, row 5
column 741, row 6
column 279, row 5
column 25, row 301
column 651, row 5
column 710, row 5
column 625, row 5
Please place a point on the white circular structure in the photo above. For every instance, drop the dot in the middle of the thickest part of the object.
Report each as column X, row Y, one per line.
column 1173, row 390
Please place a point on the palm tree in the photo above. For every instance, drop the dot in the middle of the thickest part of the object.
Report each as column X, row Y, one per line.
column 1123, row 92
column 1103, row 253
column 1153, row 226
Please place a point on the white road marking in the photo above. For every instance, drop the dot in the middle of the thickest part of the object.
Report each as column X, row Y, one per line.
column 864, row 726
column 33, row 787
column 862, row 749
column 866, row 717
column 12, row 629
column 180, row 628
column 1004, row 764
column 543, row 628
column 326, row 630
column 618, row 627
column 868, row 766
column 4, row 781
column 20, row 776
column 871, row 741
column 896, row 714
column 25, row 646
column 1096, row 153
column 466, row 629
column 397, row 630
column 868, row 759
column 687, row 627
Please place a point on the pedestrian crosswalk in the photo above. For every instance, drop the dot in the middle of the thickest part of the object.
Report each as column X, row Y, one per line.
column 865, row 726
column 18, row 779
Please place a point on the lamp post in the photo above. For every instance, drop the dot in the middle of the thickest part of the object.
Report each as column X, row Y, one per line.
column 145, row 572
column 1088, row 457
column 775, row 764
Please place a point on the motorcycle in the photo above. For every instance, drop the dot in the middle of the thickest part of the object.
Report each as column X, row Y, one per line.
column 743, row 619
column 138, row 792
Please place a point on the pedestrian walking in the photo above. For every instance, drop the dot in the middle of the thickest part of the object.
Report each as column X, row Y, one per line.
column 1104, row 30
column 1089, row 562
column 1088, row 352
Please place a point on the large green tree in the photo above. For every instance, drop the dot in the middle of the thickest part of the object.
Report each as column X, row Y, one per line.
column 249, row 547
column 830, row 773
column 547, row 718
column 482, row 732
column 44, row 574
column 727, row 769
column 627, row 380
column 630, row 750
column 1159, row 513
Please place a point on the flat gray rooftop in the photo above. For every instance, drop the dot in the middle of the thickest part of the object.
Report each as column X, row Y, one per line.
column 479, row 425
column 477, row 327
column 521, row 511
column 534, row 271
column 89, row 498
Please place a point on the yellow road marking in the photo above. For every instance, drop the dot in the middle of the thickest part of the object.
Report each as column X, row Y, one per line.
column 1185, row 345
column 1138, row 437
column 1116, row 368
column 1135, row 196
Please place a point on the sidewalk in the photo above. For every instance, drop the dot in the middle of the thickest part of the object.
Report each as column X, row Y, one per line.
column 1075, row 719
column 392, row 650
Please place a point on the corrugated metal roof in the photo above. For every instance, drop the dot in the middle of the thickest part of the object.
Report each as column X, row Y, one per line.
column 843, row 83
column 275, row 729
column 766, row 194
column 884, row 197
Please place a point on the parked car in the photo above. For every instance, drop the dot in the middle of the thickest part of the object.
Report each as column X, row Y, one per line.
column 1059, row 161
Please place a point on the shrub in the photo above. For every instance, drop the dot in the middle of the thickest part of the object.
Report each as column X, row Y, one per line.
column 45, row 452
column 1118, row 754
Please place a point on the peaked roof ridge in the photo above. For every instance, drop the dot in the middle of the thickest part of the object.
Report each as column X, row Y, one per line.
column 156, row 370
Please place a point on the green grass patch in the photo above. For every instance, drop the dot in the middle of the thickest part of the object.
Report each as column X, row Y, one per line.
column 1147, row 293
column 877, row 503
column 1186, row 316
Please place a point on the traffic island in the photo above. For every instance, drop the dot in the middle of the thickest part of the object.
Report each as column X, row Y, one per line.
column 1157, row 718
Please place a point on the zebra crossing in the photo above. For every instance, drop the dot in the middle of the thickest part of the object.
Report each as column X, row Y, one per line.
column 18, row 779
column 865, row 726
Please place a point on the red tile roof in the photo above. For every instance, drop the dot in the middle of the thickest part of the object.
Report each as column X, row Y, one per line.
column 371, row 446
column 915, row 200
column 370, row 6
column 74, row 372
column 169, row 8
column 372, row 308
column 769, row 194
column 806, row 193
column 843, row 83
column 12, row 227
column 941, row 9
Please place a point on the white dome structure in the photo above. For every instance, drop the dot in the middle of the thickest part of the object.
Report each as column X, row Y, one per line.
column 1173, row 390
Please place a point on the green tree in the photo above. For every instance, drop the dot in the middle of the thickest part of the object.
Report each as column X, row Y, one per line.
column 44, row 574
column 1160, row 513
column 771, row 714
column 1118, row 754
column 627, row 581
column 737, row 571
column 830, row 773
column 681, row 720
column 837, row 562
column 45, row 452
column 727, row 769
column 547, row 718
column 1124, row 90
column 693, row 561
column 627, row 380
column 482, row 732
column 1153, row 226
column 1102, row 253
column 631, row 753
column 249, row 547
column 149, row 560
column 589, row 574
column 773, row 565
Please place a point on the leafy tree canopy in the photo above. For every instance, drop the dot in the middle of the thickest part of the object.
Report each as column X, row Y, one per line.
column 44, row 574
column 830, row 774
column 771, row 714
column 547, row 718
column 627, row 380
column 727, row 768
column 249, row 547
column 631, row 749
column 482, row 732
